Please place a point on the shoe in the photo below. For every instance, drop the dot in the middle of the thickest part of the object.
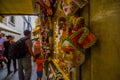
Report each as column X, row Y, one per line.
column 9, row 73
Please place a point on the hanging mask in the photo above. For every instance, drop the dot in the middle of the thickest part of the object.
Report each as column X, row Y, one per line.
column 62, row 23
column 73, row 57
column 71, row 6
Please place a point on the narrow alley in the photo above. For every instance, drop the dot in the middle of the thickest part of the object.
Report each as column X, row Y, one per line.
column 61, row 39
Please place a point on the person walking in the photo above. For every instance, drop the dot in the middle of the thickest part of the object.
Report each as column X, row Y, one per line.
column 10, row 52
column 6, row 45
column 24, row 64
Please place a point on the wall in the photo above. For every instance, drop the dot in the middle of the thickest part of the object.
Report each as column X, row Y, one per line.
column 19, row 23
column 103, row 19
column 18, row 26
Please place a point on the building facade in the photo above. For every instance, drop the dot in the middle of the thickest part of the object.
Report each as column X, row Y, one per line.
column 15, row 25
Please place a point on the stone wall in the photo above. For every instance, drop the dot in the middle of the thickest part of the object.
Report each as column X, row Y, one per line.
column 103, row 61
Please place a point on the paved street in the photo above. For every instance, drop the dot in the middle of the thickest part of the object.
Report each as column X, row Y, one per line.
column 3, row 73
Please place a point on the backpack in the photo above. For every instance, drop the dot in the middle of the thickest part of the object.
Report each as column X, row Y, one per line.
column 19, row 49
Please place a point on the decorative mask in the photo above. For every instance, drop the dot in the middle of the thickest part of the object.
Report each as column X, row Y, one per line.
column 72, row 56
column 62, row 22
column 71, row 6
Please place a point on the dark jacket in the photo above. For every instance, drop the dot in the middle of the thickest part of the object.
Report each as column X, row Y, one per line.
column 6, row 48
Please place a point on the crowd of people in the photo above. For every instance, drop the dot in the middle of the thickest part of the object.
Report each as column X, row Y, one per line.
column 24, row 64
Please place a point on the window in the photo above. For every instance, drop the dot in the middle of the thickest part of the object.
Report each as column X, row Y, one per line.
column 24, row 25
column 12, row 19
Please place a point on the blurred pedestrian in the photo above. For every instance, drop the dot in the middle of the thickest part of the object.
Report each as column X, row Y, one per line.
column 6, row 45
column 9, row 54
column 24, row 64
column 39, row 59
column 39, row 62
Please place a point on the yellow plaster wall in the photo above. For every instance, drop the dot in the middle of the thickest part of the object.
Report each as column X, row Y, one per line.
column 103, row 62
column 16, row 7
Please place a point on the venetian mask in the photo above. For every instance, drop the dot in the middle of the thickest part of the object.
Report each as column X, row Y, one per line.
column 73, row 57
column 71, row 6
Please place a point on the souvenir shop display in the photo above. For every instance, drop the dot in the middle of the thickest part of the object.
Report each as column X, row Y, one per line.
column 70, row 37
column 71, row 6
column 74, row 38
column 46, row 6
column 41, row 40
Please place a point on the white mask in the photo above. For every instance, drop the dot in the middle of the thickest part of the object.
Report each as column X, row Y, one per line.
column 69, row 9
column 73, row 5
